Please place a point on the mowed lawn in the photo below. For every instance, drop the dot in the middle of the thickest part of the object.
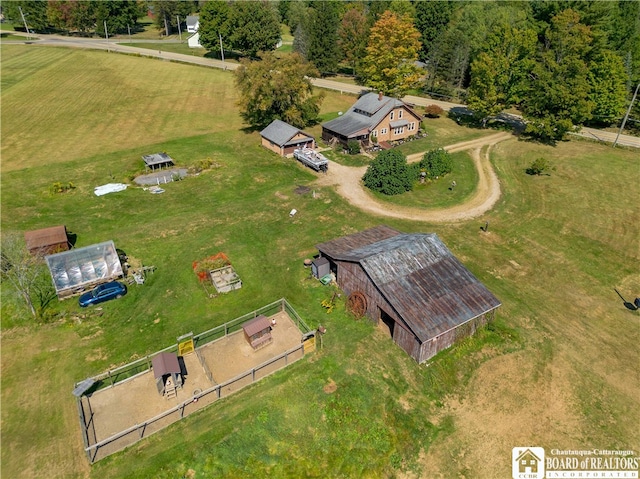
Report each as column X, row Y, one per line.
column 557, row 369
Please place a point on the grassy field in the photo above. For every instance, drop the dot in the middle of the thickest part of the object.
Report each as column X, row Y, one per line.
column 558, row 368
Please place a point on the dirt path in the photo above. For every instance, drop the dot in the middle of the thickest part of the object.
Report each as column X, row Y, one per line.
column 349, row 185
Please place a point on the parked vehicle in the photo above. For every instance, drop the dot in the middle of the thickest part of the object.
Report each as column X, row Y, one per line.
column 104, row 292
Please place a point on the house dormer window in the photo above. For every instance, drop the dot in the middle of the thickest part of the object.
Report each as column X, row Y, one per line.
column 391, row 116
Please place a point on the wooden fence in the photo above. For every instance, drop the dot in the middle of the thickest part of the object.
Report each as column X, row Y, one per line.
column 97, row 450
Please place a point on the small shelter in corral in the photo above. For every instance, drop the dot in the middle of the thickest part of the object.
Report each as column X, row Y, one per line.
column 47, row 240
column 157, row 160
column 168, row 374
column 257, row 332
column 283, row 139
column 79, row 269
column 412, row 285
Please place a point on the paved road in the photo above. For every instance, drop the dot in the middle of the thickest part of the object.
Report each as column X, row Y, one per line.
column 111, row 45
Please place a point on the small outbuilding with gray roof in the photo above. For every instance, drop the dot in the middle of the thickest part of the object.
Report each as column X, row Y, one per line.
column 283, row 139
column 412, row 285
column 374, row 117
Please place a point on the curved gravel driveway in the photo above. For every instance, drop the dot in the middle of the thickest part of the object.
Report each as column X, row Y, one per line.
column 348, row 183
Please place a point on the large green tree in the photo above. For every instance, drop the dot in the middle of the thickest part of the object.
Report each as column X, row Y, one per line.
column 322, row 36
column 392, row 51
column 34, row 11
column 167, row 13
column 558, row 96
column 607, row 79
column 352, row 36
column 277, row 88
column 431, row 21
column 245, row 26
column 499, row 73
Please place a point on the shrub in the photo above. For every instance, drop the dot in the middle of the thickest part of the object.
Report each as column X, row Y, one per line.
column 59, row 187
column 540, row 166
column 389, row 174
column 353, row 147
column 435, row 163
column 433, row 111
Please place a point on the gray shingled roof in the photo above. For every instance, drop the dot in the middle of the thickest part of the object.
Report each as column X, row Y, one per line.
column 281, row 133
column 429, row 288
column 352, row 123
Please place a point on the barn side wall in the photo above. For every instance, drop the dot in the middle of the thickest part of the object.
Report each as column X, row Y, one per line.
column 446, row 340
column 351, row 278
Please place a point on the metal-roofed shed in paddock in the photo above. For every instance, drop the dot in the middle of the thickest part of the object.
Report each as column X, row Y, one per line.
column 412, row 285
column 257, row 332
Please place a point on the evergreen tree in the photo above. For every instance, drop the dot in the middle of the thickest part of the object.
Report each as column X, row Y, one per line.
column 322, row 36
column 431, row 21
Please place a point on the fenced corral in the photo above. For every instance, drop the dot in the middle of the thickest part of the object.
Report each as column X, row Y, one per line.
column 123, row 406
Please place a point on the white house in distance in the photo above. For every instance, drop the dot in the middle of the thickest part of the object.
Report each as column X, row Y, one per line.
column 193, row 23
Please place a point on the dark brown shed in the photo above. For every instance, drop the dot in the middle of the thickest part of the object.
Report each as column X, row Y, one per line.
column 413, row 285
column 47, row 240
column 258, row 331
column 167, row 371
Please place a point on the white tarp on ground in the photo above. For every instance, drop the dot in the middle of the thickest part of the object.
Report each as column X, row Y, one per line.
column 109, row 188
column 80, row 268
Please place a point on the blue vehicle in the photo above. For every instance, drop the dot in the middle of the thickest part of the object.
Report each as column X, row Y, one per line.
column 104, row 292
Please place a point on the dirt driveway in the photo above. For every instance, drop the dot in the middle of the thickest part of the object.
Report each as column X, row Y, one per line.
column 348, row 182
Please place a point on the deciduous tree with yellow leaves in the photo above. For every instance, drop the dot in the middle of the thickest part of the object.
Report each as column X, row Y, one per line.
column 392, row 51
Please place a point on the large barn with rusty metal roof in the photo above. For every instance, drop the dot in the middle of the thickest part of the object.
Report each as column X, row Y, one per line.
column 412, row 285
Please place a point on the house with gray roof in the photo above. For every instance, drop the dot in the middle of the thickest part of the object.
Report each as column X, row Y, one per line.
column 374, row 117
column 412, row 286
column 193, row 23
column 282, row 138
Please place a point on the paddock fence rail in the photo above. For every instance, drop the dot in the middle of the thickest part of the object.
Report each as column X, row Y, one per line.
column 97, row 450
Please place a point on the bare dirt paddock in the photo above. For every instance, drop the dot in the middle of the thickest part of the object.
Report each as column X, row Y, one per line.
column 134, row 403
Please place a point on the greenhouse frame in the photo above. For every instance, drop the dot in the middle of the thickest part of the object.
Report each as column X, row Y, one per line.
column 80, row 269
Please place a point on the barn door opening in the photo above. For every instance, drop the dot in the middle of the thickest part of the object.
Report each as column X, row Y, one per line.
column 387, row 322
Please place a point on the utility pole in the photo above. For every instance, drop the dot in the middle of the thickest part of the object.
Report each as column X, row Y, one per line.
column 25, row 24
column 179, row 30
column 221, row 49
column 626, row 116
column 106, row 35
column 129, row 30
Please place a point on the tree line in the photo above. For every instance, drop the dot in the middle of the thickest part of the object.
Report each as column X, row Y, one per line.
column 561, row 63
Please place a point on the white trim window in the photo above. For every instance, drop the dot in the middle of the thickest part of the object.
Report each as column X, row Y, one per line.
column 399, row 114
column 383, row 131
column 412, row 126
column 398, row 131
column 391, row 116
column 374, row 133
